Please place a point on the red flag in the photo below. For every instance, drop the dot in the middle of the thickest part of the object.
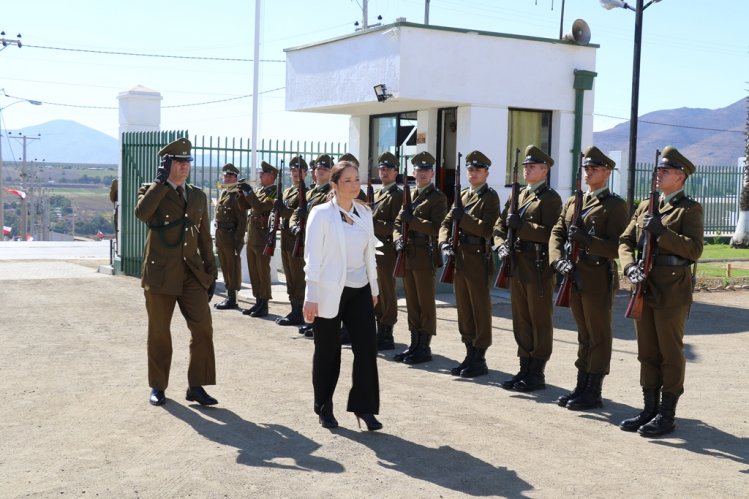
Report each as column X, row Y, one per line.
column 20, row 194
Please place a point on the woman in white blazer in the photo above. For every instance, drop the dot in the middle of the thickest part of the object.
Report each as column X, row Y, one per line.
column 341, row 275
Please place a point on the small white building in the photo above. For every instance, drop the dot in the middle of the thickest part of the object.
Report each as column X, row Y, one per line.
column 452, row 90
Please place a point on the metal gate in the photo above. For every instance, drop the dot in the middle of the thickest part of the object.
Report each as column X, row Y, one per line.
column 140, row 160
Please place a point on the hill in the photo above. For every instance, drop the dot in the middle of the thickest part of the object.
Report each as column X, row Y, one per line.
column 66, row 141
column 705, row 136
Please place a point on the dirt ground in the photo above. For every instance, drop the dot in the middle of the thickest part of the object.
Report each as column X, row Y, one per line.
column 76, row 421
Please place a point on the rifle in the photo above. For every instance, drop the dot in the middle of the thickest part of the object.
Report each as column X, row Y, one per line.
column 448, row 273
column 275, row 220
column 370, row 190
column 565, row 290
column 634, row 307
column 508, row 262
column 298, row 251
column 400, row 262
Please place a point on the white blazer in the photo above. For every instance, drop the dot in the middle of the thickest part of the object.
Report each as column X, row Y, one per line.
column 325, row 256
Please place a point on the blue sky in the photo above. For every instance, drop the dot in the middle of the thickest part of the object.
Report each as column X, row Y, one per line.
column 695, row 54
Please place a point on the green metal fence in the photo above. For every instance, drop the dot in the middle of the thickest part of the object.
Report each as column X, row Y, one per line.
column 140, row 160
column 716, row 188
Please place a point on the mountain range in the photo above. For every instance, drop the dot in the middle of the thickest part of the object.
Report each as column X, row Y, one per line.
column 705, row 136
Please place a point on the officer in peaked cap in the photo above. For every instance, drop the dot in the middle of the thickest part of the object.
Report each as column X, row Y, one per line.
column 677, row 229
column 349, row 157
column 602, row 218
column 474, row 263
column 323, row 161
column 672, row 158
column 260, row 204
column 179, row 267
column 478, row 159
column 298, row 162
column 179, row 149
column 423, row 160
column 419, row 225
column 532, row 281
column 231, row 222
column 535, row 155
column 266, row 167
column 387, row 203
column 592, row 156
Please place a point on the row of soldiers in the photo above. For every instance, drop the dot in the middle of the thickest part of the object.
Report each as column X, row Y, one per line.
column 543, row 227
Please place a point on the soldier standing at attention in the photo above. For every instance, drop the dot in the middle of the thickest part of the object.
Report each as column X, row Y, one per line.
column 231, row 220
column 532, row 281
column 293, row 267
column 387, row 203
column 260, row 203
column 428, row 208
column 113, row 188
column 678, row 231
column 474, row 264
column 178, row 267
column 603, row 217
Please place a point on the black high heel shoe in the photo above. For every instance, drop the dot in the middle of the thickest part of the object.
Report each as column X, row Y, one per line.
column 369, row 420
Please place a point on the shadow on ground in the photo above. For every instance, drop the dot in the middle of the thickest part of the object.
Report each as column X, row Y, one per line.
column 258, row 444
column 443, row 466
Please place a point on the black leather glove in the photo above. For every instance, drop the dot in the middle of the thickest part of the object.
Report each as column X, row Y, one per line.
column 458, row 212
column 513, row 221
column 162, row 172
column 579, row 235
column 211, row 290
column 279, row 205
column 296, row 230
column 245, row 187
column 398, row 244
column 653, row 225
column 407, row 215
column 563, row 266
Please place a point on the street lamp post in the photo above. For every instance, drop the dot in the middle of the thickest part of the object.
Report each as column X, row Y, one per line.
column 2, row 187
column 640, row 6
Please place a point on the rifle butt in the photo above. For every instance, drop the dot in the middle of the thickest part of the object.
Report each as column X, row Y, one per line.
column 634, row 307
column 400, row 266
column 503, row 276
column 565, row 290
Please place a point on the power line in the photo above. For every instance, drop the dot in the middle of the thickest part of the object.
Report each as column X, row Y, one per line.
column 204, row 103
column 671, row 124
column 165, row 56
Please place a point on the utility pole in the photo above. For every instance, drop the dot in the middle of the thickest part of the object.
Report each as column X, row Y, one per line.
column 426, row 12
column 364, row 14
column 24, row 229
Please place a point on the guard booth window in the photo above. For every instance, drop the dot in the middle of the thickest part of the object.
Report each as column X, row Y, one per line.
column 395, row 133
column 526, row 127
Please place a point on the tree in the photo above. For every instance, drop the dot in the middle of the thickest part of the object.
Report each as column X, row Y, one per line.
column 740, row 238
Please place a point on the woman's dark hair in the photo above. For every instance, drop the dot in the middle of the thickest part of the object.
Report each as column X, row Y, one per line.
column 337, row 170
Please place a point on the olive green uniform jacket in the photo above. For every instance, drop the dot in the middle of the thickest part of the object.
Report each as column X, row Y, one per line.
column 532, row 278
column 422, row 257
column 595, row 276
column 260, row 204
column 474, row 264
column 231, row 221
column 667, row 289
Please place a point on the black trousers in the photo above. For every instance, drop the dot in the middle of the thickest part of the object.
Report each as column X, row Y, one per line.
column 357, row 314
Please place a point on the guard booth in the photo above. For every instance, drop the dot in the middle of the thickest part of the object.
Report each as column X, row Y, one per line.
column 410, row 87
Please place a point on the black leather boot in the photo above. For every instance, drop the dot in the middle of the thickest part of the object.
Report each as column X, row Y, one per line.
column 522, row 373
column 414, row 341
column 262, row 309
column 650, row 397
column 477, row 366
column 249, row 311
column 470, row 351
column 663, row 423
column 229, row 302
column 535, row 380
column 590, row 398
column 582, row 380
column 422, row 352
column 293, row 318
column 385, row 340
